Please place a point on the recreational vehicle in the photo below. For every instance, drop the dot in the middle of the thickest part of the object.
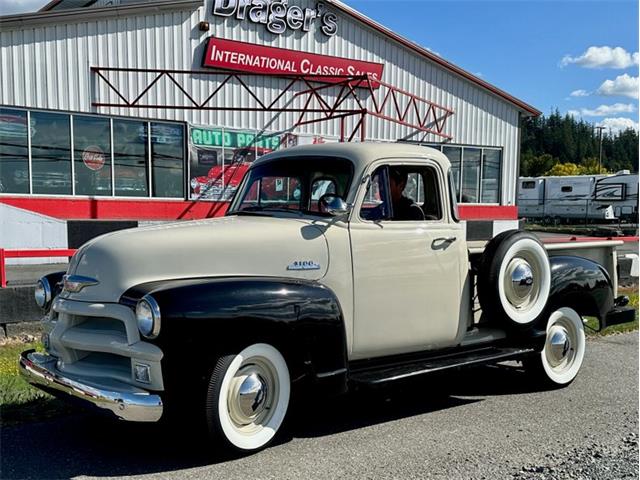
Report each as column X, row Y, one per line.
column 568, row 198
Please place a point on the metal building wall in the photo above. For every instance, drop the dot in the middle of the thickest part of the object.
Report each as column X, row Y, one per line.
column 45, row 60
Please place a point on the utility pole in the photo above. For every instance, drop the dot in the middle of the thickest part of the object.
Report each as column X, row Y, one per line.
column 600, row 129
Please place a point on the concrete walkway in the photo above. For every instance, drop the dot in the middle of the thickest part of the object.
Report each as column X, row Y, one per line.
column 22, row 275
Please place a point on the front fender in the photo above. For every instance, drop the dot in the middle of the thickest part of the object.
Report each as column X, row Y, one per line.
column 582, row 285
column 205, row 318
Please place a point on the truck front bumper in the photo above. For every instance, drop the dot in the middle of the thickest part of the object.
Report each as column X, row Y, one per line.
column 124, row 401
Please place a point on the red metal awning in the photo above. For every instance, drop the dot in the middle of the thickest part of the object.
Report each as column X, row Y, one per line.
column 355, row 96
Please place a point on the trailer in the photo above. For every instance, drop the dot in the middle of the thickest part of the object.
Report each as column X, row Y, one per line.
column 558, row 199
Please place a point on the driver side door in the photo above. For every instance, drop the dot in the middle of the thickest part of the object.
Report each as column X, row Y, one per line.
column 406, row 273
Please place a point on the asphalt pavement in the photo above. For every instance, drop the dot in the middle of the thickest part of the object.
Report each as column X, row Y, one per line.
column 485, row 423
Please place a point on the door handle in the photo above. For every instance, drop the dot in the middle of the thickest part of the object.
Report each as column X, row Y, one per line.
column 442, row 243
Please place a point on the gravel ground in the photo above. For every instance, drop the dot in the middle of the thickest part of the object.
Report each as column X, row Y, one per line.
column 485, row 423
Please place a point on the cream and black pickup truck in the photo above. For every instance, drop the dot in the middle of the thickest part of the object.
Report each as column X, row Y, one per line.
column 336, row 267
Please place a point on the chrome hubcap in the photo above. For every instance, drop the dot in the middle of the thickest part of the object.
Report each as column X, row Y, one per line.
column 559, row 348
column 519, row 283
column 251, row 394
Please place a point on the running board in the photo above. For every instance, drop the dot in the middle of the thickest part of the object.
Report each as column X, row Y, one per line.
column 387, row 373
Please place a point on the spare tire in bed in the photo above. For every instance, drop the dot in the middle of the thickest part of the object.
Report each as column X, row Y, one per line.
column 514, row 278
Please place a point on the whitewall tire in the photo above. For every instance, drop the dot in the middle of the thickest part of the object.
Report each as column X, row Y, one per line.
column 514, row 278
column 248, row 397
column 561, row 358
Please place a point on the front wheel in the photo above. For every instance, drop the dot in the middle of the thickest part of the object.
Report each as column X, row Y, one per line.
column 561, row 358
column 247, row 397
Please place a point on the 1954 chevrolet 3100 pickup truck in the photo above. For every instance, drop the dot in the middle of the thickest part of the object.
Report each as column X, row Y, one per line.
column 350, row 269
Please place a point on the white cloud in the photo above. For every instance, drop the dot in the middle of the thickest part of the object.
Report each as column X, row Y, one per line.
column 433, row 51
column 10, row 7
column 579, row 93
column 618, row 124
column 602, row 57
column 623, row 85
column 604, row 110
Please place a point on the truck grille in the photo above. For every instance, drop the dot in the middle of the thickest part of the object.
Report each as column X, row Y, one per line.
column 101, row 343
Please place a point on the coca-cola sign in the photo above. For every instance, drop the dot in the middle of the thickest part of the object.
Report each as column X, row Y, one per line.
column 278, row 15
column 249, row 57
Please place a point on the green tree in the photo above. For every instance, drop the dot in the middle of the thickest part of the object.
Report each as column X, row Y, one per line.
column 591, row 166
column 535, row 165
column 565, row 169
column 575, row 141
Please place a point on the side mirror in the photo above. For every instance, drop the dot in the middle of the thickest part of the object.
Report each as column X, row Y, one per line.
column 333, row 205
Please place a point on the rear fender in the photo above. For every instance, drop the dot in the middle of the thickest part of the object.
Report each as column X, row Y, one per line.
column 582, row 285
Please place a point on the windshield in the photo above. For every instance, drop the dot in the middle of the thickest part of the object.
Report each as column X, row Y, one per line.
column 292, row 183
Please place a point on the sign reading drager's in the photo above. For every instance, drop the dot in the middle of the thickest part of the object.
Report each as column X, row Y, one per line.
column 248, row 57
column 277, row 15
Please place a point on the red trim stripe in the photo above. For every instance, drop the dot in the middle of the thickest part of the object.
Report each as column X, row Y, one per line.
column 487, row 212
column 117, row 209
column 586, row 239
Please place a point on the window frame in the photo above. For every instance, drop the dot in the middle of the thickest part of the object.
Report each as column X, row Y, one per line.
column 112, row 196
column 408, row 162
column 462, row 146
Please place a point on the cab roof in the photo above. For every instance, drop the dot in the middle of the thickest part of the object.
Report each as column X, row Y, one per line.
column 361, row 154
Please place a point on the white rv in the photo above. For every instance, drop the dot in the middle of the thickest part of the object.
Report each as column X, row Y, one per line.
column 558, row 199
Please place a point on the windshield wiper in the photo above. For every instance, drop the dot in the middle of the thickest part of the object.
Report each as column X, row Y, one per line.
column 256, row 210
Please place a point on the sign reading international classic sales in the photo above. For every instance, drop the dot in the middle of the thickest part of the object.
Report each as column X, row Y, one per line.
column 277, row 15
column 249, row 57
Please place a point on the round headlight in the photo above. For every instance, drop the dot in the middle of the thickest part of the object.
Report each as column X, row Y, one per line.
column 148, row 317
column 42, row 293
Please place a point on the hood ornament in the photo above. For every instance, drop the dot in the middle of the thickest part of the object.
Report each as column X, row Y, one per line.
column 75, row 283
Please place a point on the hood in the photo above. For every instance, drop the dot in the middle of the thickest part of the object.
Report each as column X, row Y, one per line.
column 227, row 246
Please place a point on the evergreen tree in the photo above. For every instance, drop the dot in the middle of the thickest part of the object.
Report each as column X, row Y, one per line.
column 567, row 140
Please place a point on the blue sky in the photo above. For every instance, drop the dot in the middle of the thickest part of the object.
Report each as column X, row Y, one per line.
column 520, row 45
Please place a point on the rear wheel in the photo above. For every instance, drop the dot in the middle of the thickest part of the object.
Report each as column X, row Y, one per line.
column 561, row 358
column 248, row 397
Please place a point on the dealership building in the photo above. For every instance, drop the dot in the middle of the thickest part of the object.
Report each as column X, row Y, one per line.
column 119, row 113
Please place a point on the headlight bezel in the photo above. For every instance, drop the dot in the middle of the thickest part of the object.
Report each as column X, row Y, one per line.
column 148, row 322
column 43, row 293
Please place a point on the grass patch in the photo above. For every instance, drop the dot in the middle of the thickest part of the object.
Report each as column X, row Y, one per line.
column 19, row 401
column 622, row 328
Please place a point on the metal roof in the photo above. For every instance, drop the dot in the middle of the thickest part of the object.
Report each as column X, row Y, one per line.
column 79, row 5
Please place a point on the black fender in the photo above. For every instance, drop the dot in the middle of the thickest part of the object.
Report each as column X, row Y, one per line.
column 580, row 284
column 204, row 318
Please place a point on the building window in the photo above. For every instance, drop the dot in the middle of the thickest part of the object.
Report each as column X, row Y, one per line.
column 14, row 151
column 471, row 174
column 55, row 153
column 92, row 155
column 51, row 153
column 167, row 154
column 490, row 178
column 130, row 156
column 475, row 171
column 454, row 154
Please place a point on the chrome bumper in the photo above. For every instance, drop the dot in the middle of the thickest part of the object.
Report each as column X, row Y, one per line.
column 124, row 401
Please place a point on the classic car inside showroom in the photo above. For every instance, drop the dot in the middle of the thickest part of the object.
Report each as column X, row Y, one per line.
column 114, row 114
